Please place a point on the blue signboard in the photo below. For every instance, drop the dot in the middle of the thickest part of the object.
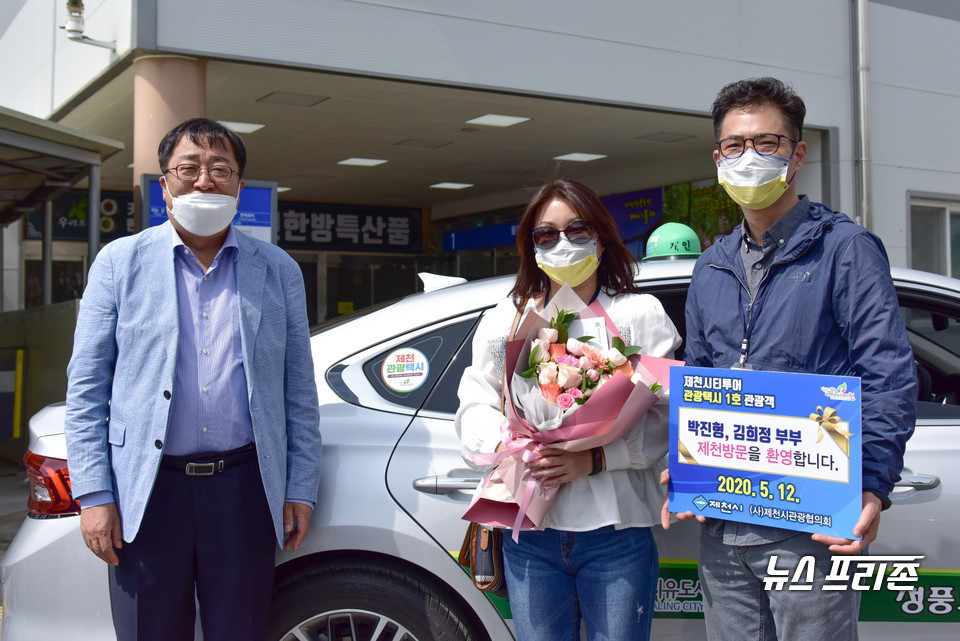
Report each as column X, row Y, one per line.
column 326, row 227
column 479, row 237
column 769, row 448
column 636, row 213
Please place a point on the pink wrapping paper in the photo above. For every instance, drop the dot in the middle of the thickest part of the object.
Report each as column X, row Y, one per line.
column 509, row 497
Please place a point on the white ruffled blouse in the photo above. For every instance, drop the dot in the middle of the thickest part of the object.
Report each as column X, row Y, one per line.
column 628, row 492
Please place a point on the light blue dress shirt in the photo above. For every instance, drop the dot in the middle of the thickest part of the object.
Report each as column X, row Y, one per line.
column 209, row 411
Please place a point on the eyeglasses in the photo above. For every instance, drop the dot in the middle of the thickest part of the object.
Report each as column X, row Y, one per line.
column 579, row 232
column 764, row 144
column 190, row 173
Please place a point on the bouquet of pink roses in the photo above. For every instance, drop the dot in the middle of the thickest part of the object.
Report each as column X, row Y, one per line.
column 567, row 371
column 567, row 393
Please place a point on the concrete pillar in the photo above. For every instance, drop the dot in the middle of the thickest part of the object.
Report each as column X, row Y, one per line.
column 166, row 91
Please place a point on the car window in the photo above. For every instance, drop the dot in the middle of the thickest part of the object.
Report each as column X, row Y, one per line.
column 444, row 397
column 933, row 326
column 405, row 373
column 674, row 299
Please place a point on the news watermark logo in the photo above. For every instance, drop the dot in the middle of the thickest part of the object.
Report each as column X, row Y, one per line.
column 895, row 573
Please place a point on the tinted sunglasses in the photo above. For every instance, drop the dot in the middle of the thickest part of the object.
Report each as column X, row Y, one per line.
column 579, row 232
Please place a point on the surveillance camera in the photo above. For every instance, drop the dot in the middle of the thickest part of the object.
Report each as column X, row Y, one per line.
column 74, row 26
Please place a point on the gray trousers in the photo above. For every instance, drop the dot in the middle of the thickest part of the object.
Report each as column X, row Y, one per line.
column 737, row 607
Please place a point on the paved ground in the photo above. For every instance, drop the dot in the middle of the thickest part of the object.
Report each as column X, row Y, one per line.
column 13, row 501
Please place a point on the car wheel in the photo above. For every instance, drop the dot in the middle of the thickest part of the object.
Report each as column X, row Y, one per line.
column 359, row 602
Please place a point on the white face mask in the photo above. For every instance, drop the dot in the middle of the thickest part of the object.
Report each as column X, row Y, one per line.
column 567, row 262
column 754, row 181
column 204, row 213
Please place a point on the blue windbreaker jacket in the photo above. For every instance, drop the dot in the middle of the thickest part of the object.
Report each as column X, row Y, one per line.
column 826, row 306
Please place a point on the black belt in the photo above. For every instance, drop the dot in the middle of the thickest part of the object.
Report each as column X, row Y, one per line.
column 210, row 463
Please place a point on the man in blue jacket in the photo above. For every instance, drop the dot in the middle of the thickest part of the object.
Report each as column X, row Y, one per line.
column 795, row 288
column 192, row 419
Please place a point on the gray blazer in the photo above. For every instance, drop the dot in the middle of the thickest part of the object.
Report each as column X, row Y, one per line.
column 124, row 361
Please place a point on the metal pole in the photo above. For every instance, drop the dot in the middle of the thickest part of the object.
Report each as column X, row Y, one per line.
column 862, row 114
column 93, row 216
column 47, row 252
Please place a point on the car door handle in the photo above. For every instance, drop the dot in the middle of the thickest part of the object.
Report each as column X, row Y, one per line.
column 444, row 484
column 919, row 481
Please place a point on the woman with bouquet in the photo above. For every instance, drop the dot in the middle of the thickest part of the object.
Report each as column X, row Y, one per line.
column 594, row 555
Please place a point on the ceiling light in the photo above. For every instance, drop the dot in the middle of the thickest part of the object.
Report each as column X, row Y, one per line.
column 579, row 157
column 280, row 190
column 242, row 127
column 451, row 185
column 362, row 162
column 496, row 120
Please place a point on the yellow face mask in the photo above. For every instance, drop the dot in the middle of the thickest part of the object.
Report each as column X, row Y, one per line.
column 569, row 263
column 754, row 181
column 759, row 197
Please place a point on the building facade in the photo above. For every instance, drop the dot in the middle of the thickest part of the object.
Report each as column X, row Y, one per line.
column 399, row 85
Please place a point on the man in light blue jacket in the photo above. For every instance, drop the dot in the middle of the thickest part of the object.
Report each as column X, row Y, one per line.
column 192, row 422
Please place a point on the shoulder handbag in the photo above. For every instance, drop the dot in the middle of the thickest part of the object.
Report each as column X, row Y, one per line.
column 482, row 553
column 482, row 549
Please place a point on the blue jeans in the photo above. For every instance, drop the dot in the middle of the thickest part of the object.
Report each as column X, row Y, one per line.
column 607, row 575
column 737, row 608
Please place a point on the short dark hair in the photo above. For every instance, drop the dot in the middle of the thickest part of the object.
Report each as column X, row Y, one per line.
column 615, row 273
column 202, row 131
column 760, row 91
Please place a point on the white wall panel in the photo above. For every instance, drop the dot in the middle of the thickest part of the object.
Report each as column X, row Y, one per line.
column 914, row 129
column 26, row 48
column 914, row 50
column 42, row 69
column 914, row 122
column 758, row 31
column 641, row 53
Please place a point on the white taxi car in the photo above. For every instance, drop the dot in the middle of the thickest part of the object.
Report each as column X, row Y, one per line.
column 377, row 562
